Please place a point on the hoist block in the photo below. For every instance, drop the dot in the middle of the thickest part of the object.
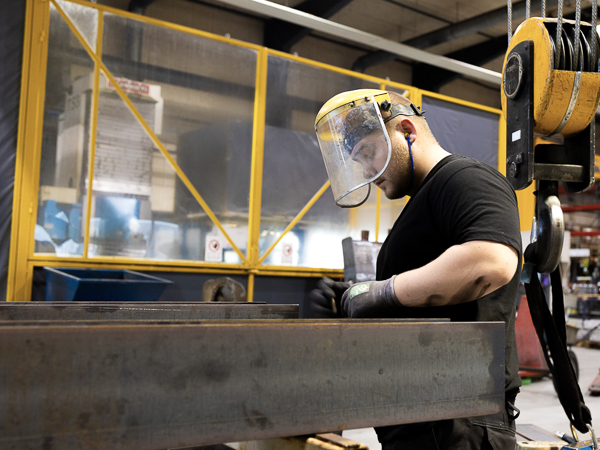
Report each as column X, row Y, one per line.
column 558, row 95
column 543, row 93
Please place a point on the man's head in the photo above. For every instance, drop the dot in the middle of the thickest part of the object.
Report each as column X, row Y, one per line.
column 410, row 137
column 354, row 130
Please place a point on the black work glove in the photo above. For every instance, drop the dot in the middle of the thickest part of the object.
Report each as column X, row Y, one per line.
column 371, row 299
column 324, row 301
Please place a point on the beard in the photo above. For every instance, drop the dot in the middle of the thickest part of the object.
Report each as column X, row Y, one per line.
column 397, row 176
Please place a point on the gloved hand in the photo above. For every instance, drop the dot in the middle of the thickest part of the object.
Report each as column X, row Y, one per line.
column 324, row 301
column 371, row 299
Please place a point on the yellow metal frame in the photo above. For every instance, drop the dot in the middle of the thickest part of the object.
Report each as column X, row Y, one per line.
column 23, row 260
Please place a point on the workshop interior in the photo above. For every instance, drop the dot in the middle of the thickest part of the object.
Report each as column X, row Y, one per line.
column 165, row 212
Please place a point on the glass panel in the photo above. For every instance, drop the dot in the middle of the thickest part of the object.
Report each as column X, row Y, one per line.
column 84, row 18
column 65, row 143
column 198, row 97
column 464, row 130
column 294, row 170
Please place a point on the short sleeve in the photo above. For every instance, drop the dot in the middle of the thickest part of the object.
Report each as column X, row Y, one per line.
column 477, row 203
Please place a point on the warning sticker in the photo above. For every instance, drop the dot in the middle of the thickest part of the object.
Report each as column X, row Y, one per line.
column 287, row 254
column 214, row 249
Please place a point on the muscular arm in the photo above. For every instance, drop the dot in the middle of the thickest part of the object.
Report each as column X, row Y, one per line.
column 461, row 274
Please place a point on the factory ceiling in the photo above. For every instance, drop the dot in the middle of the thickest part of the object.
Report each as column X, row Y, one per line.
column 471, row 31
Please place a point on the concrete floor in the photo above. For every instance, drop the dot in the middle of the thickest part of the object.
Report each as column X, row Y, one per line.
column 537, row 401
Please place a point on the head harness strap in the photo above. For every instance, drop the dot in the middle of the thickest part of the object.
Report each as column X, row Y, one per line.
column 403, row 110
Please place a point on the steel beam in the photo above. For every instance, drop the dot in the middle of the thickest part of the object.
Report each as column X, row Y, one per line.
column 448, row 33
column 328, row 27
column 168, row 386
column 280, row 35
column 144, row 311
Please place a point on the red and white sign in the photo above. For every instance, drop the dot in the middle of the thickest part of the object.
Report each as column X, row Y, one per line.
column 134, row 87
column 214, row 249
column 287, row 253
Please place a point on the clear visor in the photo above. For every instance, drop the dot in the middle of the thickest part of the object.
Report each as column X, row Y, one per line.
column 356, row 149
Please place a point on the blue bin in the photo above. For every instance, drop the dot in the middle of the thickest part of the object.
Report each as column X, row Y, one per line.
column 102, row 285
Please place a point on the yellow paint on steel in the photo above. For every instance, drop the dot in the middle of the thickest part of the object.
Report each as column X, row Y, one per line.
column 184, row 179
column 93, row 131
column 502, row 145
column 143, row 262
column 299, row 271
column 51, row 262
column 526, row 200
column 21, row 138
column 552, row 89
column 416, row 96
column 250, row 288
column 28, row 152
column 299, row 216
column 258, row 140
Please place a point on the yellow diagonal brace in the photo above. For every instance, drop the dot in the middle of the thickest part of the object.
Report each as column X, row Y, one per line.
column 148, row 130
column 293, row 223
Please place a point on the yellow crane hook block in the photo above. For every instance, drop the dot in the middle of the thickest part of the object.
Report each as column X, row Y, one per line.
column 550, row 88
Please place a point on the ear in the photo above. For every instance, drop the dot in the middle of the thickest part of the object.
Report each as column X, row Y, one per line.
column 407, row 127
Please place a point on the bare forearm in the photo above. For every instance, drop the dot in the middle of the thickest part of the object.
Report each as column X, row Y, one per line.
column 461, row 274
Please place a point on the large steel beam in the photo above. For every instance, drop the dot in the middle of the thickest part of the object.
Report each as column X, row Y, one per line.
column 280, row 35
column 448, row 33
column 168, row 386
column 274, row 10
column 144, row 311
column 432, row 78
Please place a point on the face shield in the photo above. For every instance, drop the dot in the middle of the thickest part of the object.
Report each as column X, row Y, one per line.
column 355, row 145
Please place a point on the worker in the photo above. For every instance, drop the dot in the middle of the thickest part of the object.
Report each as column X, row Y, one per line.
column 454, row 251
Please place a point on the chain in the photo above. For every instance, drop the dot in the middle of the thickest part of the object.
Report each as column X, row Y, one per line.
column 527, row 9
column 577, row 38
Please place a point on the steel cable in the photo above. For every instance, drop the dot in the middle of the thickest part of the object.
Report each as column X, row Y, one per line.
column 577, row 31
column 543, row 9
column 594, row 35
column 559, row 19
column 509, row 14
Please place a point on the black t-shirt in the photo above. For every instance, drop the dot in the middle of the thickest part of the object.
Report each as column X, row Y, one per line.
column 460, row 200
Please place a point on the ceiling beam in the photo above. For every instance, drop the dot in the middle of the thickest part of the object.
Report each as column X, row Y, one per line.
column 448, row 33
column 328, row 27
column 433, row 78
column 281, row 35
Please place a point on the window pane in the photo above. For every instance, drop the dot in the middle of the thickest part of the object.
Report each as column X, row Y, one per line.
column 84, row 18
column 197, row 96
column 65, row 139
column 294, row 170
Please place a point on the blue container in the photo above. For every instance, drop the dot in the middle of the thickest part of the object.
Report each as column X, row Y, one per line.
column 102, row 285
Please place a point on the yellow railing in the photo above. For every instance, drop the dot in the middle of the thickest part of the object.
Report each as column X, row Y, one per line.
column 23, row 259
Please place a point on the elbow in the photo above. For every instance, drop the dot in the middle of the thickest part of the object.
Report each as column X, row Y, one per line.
column 503, row 273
